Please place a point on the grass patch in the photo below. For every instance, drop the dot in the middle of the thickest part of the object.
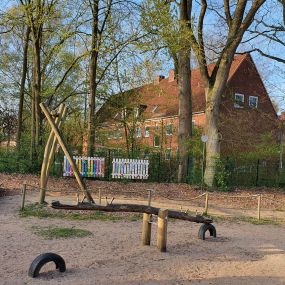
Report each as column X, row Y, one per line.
column 56, row 233
column 42, row 211
column 249, row 220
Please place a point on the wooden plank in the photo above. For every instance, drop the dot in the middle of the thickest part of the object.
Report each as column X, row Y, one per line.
column 67, row 154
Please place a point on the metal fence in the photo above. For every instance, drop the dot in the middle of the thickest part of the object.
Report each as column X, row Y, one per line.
column 238, row 172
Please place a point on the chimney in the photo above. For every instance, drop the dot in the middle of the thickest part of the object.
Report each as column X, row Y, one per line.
column 171, row 75
column 158, row 78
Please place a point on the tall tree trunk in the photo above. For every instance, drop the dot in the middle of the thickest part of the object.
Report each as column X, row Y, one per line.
column 22, row 88
column 36, row 98
column 93, row 74
column 213, row 143
column 185, row 104
column 213, row 100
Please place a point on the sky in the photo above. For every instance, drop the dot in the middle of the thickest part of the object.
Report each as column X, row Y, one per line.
column 272, row 72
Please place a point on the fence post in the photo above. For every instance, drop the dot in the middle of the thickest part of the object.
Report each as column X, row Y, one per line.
column 24, row 196
column 162, row 230
column 206, row 204
column 100, row 196
column 257, row 173
column 159, row 167
column 258, row 206
column 109, row 164
column 146, row 232
column 149, row 197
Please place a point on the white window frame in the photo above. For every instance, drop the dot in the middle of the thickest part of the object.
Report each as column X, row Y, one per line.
column 154, row 141
column 146, row 132
column 237, row 105
column 255, row 107
column 166, row 131
column 137, row 112
column 139, row 132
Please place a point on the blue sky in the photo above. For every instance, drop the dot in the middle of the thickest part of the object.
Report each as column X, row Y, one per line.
column 272, row 72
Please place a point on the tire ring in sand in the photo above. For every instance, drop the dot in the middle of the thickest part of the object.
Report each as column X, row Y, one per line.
column 44, row 258
column 204, row 228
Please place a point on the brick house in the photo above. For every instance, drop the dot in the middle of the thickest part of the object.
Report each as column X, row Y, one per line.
column 247, row 113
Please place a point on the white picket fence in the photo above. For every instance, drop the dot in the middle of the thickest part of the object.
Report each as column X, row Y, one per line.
column 130, row 168
column 87, row 166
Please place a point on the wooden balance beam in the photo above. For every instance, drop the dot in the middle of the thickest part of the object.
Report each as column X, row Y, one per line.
column 131, row 208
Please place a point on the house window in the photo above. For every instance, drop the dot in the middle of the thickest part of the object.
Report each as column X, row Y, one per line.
column 146, row 132
column 193, row 124
column 154, row 108
column 139, row 132
column 239, row 100
column 167, row 154
column 156, row 141
column 253, row 101
column 116, row 134
column 137, row 112
column 169, row 130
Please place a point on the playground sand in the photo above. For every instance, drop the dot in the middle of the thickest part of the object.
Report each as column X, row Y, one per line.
column 241, row 254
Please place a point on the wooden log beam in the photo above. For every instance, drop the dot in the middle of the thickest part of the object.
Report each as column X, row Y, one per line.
column 134, row 208
column 62, row 118
column 49, row 153
column 66, row 152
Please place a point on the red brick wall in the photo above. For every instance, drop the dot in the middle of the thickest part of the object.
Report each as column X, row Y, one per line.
column 243, row 128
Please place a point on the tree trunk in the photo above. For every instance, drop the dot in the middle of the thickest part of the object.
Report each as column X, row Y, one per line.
column 93, row 74
column 213, row 100
column 185, row 104
column 213, row 143
column 36, row 98
column 22, row 88
column 131, row 208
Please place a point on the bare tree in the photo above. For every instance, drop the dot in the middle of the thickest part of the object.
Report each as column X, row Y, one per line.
column 238, row 18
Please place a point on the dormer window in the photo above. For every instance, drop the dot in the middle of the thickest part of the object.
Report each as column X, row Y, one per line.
column 253, row 101
column 154, row 109
column 239, row 100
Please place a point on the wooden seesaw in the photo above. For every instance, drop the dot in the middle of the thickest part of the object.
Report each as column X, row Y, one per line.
column 147, row 211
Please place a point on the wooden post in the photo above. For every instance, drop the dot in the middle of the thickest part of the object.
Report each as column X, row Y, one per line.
column 53, row 147
column 24, row 196
column 162, row 230
column 258, row 206
column 100, row 196
column 48, row 154
column 146, row 232
column 67, row 154
column 149, row 197
column 206, row 204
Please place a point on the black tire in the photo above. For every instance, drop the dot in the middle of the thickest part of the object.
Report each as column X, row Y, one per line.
column 43, row 259
column 204, row 228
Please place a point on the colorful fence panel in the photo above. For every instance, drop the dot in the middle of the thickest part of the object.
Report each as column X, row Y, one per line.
column 130, row 168
column 87, row 166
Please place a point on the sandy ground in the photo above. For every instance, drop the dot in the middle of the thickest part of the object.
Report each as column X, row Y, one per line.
column 241, row 254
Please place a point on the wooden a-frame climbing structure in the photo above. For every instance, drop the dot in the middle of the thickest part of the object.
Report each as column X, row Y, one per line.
column 55, row 120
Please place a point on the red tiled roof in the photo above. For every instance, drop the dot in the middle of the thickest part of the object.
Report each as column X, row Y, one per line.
column 165, row 93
